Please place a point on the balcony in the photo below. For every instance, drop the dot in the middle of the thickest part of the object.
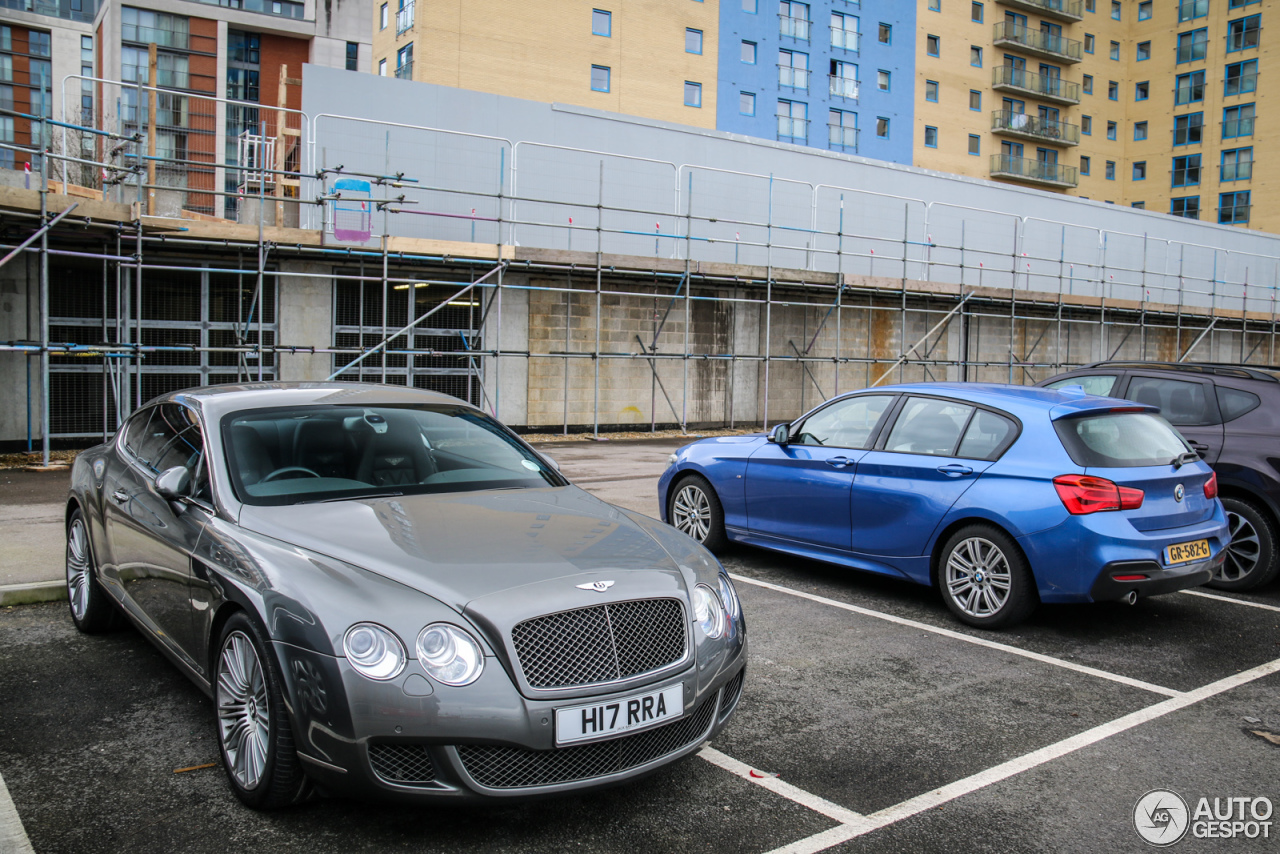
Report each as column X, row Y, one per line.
column 790, row 77
column 1034, row 171
column 843, row 87
column 1061, row 10
column 844, row 39
column 1047, row 45
column 1035, row 128
column 405, row 72
column 793, row 28
column 793, row 130
column 1006, row 78
column 404, row 19
column 842, row 138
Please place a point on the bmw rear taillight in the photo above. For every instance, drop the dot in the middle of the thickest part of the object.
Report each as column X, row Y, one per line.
column 1211, row 486
column 1082, row 494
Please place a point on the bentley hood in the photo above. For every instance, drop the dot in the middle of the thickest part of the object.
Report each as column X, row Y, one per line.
column 458, row 547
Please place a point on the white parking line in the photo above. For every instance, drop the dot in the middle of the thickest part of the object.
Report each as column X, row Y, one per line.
column 1229, row 599
column 781, row 787
column 13, row 839
column 937, row 797
column 948, row 633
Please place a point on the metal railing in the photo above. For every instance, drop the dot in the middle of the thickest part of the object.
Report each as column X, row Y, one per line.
column 405, row 72
column 791, row 77
column 842, row 137
column 843, row 87
column 1046, row 129
column 1192, row 51
column 54, row 9
column 1192, row 9
column 1039, row 41
column 844, row 39
column 1041, row 84
column 791, row 129
column 1065, row 8
column 404, row 18
column 1232, row 128
column 1240, row 38
column 1029, row 169
column 1240, row 171
column 795, row 28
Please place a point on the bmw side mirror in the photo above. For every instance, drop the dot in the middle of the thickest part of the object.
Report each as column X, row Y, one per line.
column 779, row 435
column 174, row 484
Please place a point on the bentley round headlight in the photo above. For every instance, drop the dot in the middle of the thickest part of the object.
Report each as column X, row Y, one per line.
column 450, row 654
column 730, row 597
column 707, row 611
column 374, row 652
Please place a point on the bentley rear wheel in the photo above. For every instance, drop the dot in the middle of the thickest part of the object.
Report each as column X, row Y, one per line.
column 91, row 610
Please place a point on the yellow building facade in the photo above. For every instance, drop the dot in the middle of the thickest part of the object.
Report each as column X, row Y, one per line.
column 651, row 58
column 1149, row 103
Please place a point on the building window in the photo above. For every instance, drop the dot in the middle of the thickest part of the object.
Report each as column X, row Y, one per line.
column 382, row 17
column 975, row 144
column 1115, row 10
column 747, row 103
column 353, row 56
column 404, row 62
column 600, row 75
column 1087, row 84
column 749, row 53
column 931, row 90
column 1241, row 77
column 844, row 31
column 692, row 94
column 1111, row 170
column 1237, row 165
column 975, row 56
column 793, row 121
column 1188, row 207
column 1086, row 125
column 1085, row 164
column 1111, row 130
column 882, row 80
column 1239, row 4
column 935, row 5
column 1140, row 170
column 1237, row 121
column 749, row 6
column 1188, row 129
column 1233, row 207
column 882, row 127
column 1113, row 90
column 1189, row 10
column 692, row 40
column 1115, row 50
column 1186, row 170
column 793, row 69
column 793, row 19
column 842, row 130
column 932, row 45
column 885, row 34
column 1144, row 10
column 930, row 137
column 1138, row 205
column 1189, row 88
column 1139, row 131
column 1088, row 42
column 601, row 23
column 975, row 99
column 975, row 13
column 1089, row 6
column 1243, row 34
column 1192, row 45
column 382, row 68
column 1142, row 91
column 1144, row 51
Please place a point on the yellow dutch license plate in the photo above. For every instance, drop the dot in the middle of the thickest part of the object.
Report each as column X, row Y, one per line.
column 1183, row 552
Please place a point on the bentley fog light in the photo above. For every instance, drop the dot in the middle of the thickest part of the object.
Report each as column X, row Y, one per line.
column 374, row 651
column 450, row 654
column 707, row 611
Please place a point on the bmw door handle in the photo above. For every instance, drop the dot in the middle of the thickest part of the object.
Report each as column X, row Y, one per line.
column 839, row 462
column 955, row 470
column 120, row 496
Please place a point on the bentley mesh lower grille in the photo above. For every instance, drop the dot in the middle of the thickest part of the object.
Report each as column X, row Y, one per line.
column 601, row 643
column 498, row 767
column 731, row 691
column 406, row 764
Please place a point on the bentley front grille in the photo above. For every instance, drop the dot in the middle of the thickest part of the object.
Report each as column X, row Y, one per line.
column 602, row 643
column 498, row 767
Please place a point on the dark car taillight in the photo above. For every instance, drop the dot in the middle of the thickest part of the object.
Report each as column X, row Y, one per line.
column 1211, row 486
column 1083, row 494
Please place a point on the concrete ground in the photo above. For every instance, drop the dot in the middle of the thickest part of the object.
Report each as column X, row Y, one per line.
column 871, row 721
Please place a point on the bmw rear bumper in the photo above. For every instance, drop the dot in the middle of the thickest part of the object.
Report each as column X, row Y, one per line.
column 1148, row 578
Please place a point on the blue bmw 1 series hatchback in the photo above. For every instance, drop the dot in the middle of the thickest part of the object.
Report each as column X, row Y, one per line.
column 1000, row 496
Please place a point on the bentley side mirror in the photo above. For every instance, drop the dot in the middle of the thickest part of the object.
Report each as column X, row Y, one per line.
column 779, row 435
column 174, row 484
column 555, row 464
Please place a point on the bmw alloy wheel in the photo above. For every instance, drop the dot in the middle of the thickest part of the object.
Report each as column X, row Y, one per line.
column 978, row 577
column 244, row 711
column 78, row 568
column 691, row 512
column 1243, row 551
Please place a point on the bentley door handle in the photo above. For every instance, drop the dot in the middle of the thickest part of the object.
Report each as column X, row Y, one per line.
column 120, row 496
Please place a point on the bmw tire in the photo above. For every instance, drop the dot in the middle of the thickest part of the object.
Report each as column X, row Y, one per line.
column 695, row 509
column 985, row 579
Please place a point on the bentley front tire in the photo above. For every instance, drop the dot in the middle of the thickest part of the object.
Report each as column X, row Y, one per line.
column 91, row 610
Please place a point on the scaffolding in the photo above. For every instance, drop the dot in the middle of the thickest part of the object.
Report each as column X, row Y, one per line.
column 663, row 314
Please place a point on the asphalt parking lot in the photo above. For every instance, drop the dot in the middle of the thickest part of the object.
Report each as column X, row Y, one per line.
column 871, row 721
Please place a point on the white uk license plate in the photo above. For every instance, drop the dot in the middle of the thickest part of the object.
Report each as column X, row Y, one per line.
column 615, row 717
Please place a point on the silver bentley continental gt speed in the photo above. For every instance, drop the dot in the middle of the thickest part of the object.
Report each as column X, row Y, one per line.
column 388, row 594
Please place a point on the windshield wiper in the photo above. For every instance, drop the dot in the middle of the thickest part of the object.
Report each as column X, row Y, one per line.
column 352, row 498
column 1183, row 458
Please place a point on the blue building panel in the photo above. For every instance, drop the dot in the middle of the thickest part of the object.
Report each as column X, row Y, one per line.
column 810, row 74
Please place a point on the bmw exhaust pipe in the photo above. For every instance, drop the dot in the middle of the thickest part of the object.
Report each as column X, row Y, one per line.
column 1131, row 597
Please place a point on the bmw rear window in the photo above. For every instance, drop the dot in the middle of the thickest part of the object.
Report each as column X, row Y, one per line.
column 1120, row 440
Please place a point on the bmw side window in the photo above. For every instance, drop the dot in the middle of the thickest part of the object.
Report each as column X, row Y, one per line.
column 928, row 426
column 1233, row 402
column 1099, row 385
column 988, row 434
column 1180, row 402
column 846, row 423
